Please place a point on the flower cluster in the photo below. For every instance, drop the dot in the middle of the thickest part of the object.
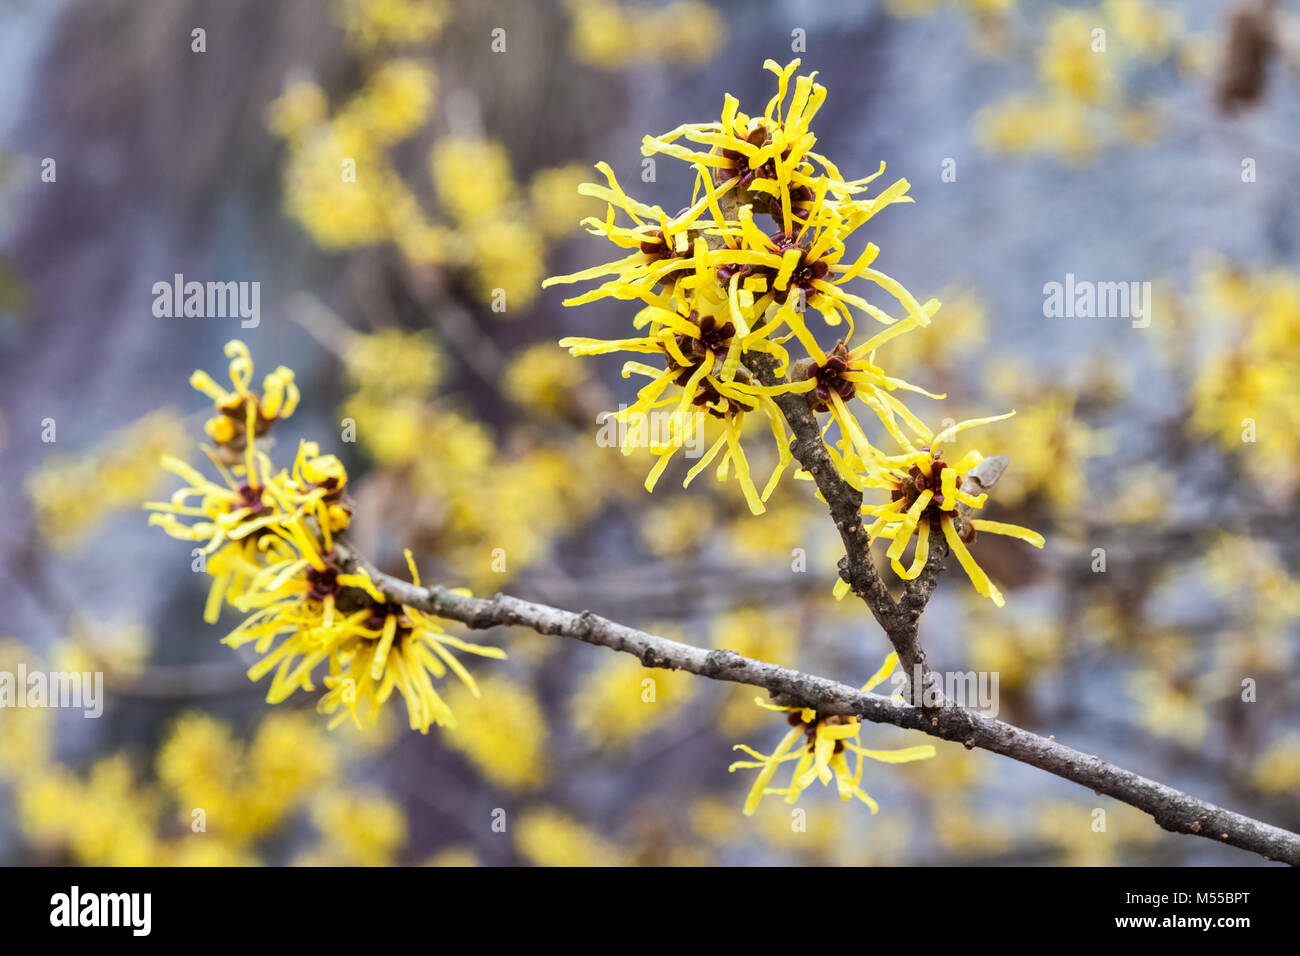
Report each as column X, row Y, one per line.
column 459, row 495
column 1248, row 385
column 345, row 187
column 1086, row 97
column 715, row 291
column 72, row 496
column 926, row 495
column 722, row 305
column 614, row 36
column 268, row 540
column 823, row 746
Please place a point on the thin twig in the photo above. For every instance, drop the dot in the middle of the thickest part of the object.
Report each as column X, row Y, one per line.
column 898, row 618
column 1174, row 810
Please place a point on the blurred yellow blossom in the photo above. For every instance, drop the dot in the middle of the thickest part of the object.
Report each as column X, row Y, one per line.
column 541, row 379
column 1088, row 835
column 1170, row 705
column 555, row 200
column 1086, row 97
column 503, row 732
column 765, row 635
column 613, row 35
column 358, row 828
column 935, row 347
column 620, row 701
column 1247, row 389
column 115, row 647
column 677, row 526
column 371, row 24
column 26, row 733
column 1069, row 61
column 472, row 177
column 107, row 819
column 1277, row 769
column 454, row 857
column 244, row 790
column 1047, row 444
column 547, row 837
column 1015, row 650
column 1149, row 29
column 72, row 494
column 391, row 362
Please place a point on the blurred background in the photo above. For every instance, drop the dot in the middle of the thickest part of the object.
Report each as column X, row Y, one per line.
column 1170, row 157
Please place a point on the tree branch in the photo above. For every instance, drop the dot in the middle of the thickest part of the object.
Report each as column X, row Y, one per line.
column 1174, row 810
column 899, row 619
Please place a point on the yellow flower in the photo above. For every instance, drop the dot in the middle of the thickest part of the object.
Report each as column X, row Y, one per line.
column 665, row 246
column 547, row 837
column 715, row 289
column 761, row 634
column 231, row 512
column 925, row 493
column 26, row 733
column 472, row 177
column 357, row 828
column 770, row 156
column 241, row 412
column 1068, row 62
column 821, row 745
column 243, row 791
column 621, row 701
column 555, row 199
column 612, row 36
column 371, row 651
column 540, row 379
column 73, row 495
column 455, row 856
column 107, row 819
column 807, row 258
column 502, row 730
column 374, row 24
column 701, row 355
column 269, row 538
column 832, row 380
column 1277, row 769
column 392, row 362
